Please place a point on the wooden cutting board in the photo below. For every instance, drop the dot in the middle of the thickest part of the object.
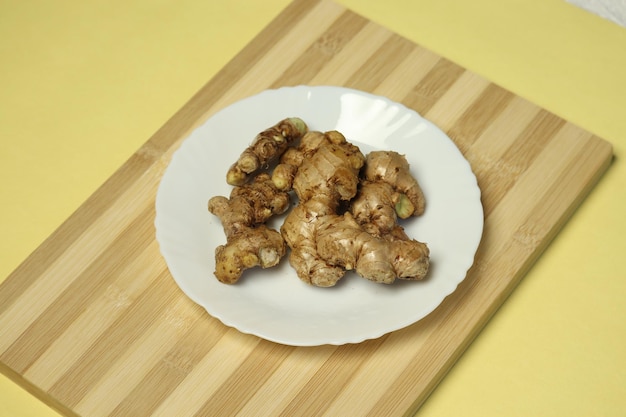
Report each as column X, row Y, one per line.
column 94, row 325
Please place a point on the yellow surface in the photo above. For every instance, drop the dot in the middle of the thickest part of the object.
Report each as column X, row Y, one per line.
column 84, row 84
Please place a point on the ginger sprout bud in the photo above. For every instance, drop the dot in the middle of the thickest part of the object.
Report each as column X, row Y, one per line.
column 299, row 124
column 248, row 162
column 404, row 207
column 249, row 260
column 236, row 177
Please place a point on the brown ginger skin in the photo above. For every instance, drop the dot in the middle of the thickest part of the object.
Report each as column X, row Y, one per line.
column 266, row 147
column 249, row 242
column 388, row 192
column 392, row 168
column 324, row 171
column 342, row 241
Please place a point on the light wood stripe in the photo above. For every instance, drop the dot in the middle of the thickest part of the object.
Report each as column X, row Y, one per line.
column 85, row 329
column 415, row 66
column 62, row 312
column 326, row 384
column 245, row 380
column 493, row 142
column 380, row 64
column 507, row 169
column 376, row 376
column 138, row 358
column 74, row 384
column 292, row 375
column 484, row 110
column 323, row 50
column 341, row 67
column 172, row 369
column 430, row 89
column 454, row 102
column 209, row 374
column 112, row 335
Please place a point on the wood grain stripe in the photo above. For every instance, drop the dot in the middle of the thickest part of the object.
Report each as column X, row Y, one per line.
column 93, row 280
column 477, row 117
column 375, row 376
column 504, row 171
column 143, row 354
column 430, row 89
column 323, row 387
column 503, row 221
column 210, row 374
column 455, row 101
column 341, row 67
column 493, row 142
column 85, row 329
column 169, row 371
column 380, row 64
column 411, row 70
column 293, row 374
column 245, row 380
column 586, row 168
column 74, row 384
column 323, row 50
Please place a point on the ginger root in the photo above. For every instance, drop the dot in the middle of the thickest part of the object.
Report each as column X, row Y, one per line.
column 265, row 148
column 387, row 192
column 324, row 172
column 249, row 242
column 392, row 168
column 346, row 219
column 342, row 241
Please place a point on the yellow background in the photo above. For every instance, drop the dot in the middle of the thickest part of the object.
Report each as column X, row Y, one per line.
column 83, row 84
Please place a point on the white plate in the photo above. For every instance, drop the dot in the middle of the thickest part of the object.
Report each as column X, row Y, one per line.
column 273, row 303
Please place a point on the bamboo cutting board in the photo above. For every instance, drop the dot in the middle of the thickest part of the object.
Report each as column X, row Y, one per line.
column 94, row 325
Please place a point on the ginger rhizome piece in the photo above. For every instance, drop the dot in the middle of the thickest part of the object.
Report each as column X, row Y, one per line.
column 387, row 192
column 342, row 241
column 249, row 242
column 390, row 167
column 266, row 147
column 324, row 172
column 346, row 219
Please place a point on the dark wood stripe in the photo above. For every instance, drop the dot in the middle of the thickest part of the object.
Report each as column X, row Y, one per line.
column 430, row 89
column 323, row 387
column 496, row 178
column 526, row 147
column 243, row 383
column 106, row 349
column 483, row 111
column 163, row 379
column 381, row 64
column 89, row 285
column 585, row 168
column 306, row 66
